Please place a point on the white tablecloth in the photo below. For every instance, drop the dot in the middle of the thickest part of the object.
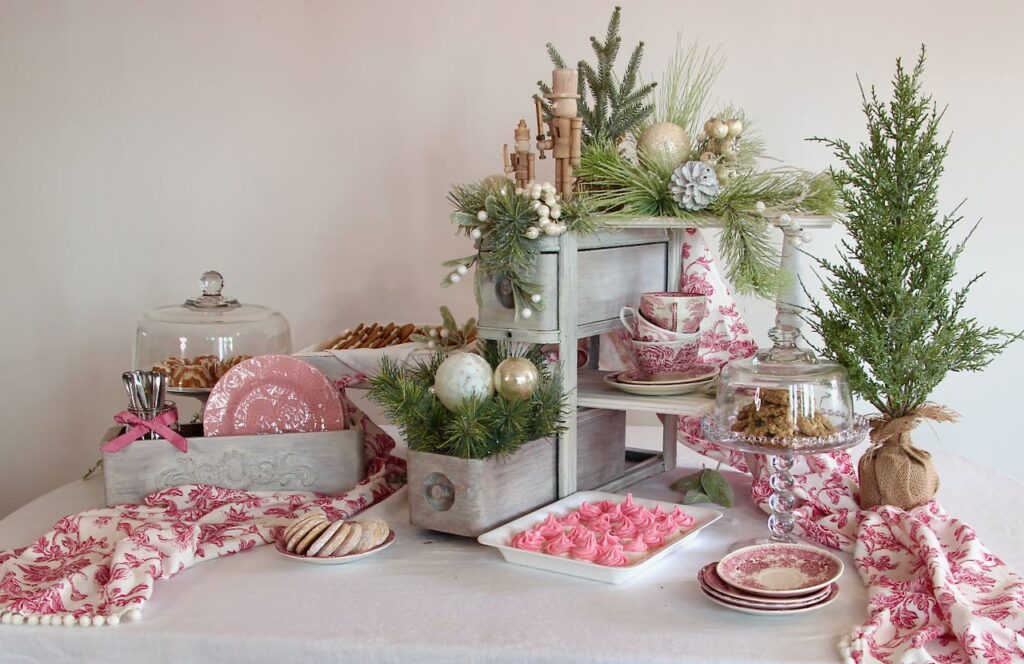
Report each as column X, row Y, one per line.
column 435, row 598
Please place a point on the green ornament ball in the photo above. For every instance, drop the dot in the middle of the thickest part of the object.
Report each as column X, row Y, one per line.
column 665, row 143
column 516, row 378
column 461, row 377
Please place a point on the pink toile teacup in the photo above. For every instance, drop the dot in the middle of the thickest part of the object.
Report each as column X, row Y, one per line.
column 673, row 311
column 641, row 329
column 659, row 357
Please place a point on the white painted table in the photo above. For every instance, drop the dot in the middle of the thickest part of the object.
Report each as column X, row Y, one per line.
column 434, row 598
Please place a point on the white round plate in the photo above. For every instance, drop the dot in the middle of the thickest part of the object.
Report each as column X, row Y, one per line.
column 779, row 570
column 655, row 390
column 336, row 560
column 691, row 373
column 777, row 611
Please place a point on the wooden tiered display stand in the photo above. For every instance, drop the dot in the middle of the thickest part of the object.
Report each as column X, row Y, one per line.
column 585, row 281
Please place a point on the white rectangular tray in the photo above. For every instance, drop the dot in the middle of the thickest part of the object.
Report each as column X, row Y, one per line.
column 500, row 538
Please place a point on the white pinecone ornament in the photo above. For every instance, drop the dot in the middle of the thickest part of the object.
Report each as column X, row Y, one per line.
column 694, row 185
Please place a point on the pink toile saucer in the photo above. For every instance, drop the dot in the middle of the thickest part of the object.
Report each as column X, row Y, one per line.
column 272, row 394
column 779, row 570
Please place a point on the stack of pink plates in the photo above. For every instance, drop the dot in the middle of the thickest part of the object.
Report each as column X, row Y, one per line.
column 773, row 579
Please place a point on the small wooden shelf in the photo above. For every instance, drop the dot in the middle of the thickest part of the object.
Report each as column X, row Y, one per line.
column 593, row 392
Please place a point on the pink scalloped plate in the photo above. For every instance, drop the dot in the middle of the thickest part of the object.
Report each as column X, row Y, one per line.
column 272, row 394
column 779, row 569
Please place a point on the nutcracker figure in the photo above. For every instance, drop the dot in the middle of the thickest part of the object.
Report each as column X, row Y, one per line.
column 520, row 163
column 565, row 129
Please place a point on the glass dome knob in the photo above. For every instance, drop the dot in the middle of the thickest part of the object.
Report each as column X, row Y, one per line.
column 212, row 283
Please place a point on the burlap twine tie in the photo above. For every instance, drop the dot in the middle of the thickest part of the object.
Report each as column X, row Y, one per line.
column 894, row 472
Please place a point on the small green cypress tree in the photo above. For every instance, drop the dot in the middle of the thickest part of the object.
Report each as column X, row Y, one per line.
column 895, row 320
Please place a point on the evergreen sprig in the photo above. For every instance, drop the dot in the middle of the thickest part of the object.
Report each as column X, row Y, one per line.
column 480, row 428
column 503, row 247
column 611, row 107
column 894, row 318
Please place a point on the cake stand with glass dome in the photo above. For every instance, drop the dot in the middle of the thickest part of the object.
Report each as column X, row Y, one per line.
column 783, row 402
column 211, row 328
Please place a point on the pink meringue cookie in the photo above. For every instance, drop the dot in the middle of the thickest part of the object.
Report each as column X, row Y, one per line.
column 559, row 545
column 572, row 519
column 601, row 524
column 643, row 519
column 585, row 548
column 611, row 556
column 681, row 518
column 607, row 540
column 551, row 527
column 624, row 529
column 653, row 537
column 615, row 513
column 578, row 532
column 658, row 513
column 629, row 508
column 528, row 540
column 588, row 511
column 666, row 526
column 607, row 505
column 635, row 545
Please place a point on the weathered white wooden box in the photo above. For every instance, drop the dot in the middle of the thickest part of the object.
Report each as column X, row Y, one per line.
column 613, row 267
column 330, row 462
column 471, row 496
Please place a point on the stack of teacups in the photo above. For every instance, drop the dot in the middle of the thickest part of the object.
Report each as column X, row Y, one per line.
column 665, row 333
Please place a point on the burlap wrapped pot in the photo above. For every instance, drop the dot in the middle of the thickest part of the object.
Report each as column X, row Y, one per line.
column 894, row 472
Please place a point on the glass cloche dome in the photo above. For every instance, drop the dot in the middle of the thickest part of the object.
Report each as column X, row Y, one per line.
column 783, row 397
column 197, row 341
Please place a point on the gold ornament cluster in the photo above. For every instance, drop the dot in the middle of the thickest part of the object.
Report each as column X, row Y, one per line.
column 720, row 150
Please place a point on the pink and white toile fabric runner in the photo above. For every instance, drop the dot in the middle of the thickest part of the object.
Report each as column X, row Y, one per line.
column 100, row 566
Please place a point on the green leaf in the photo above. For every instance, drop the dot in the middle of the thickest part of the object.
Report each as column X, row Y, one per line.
column 694, row 497
column 688, row 483
column 716, row 487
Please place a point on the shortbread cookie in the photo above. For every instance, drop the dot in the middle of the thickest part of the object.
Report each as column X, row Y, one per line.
column 375, row 531
column 290, row 530
column 301, row 531
column 311, row 537
column 325, row 537
column 336, row 539
column 355, row 533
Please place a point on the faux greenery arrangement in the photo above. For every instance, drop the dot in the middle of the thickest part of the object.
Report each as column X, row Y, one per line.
column 479, row 428
column 499, row 219
column 647, row 155
column 894, row 318
column 627, row 183
column 610, row 105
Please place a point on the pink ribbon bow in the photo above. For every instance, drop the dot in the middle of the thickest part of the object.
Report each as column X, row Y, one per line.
column 159, row 425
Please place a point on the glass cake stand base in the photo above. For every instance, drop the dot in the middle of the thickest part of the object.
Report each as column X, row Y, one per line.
column 781, row 522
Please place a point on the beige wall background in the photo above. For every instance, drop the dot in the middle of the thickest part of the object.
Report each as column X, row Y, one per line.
column 304, row 149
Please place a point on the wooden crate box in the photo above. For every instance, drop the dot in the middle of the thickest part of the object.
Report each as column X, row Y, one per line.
column 330, row 462
column 470, row 496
